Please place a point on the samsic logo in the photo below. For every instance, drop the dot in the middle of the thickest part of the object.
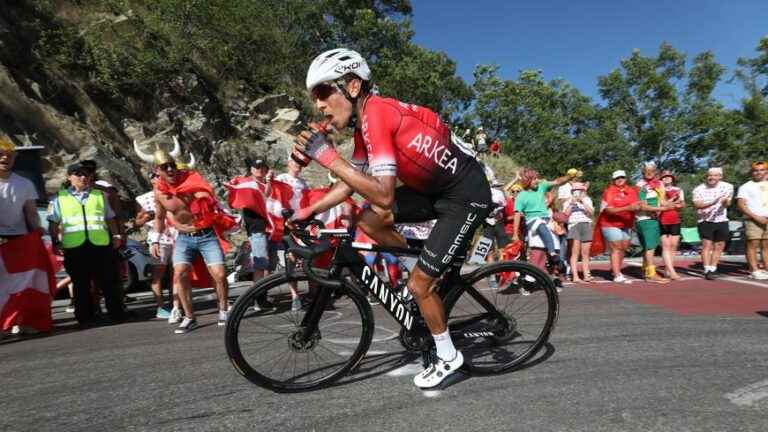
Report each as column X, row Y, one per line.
column 347, row 67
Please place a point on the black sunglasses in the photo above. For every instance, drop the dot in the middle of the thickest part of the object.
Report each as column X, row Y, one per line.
column 80, row 174
column 168, row 166
column 322, row 91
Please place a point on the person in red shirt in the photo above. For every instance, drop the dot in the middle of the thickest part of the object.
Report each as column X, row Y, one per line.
column 670, row 223
column 619, row 204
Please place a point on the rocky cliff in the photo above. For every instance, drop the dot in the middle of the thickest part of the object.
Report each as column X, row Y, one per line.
column 61, row 111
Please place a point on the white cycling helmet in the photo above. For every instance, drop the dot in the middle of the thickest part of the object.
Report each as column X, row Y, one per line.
column 334, row 64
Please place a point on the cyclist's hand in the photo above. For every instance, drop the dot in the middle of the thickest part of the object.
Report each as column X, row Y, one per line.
column 317, row 145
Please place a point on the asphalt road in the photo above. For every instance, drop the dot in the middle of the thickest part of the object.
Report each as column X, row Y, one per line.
column 689, row 356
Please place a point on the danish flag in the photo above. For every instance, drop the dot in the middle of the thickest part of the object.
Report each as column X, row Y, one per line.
column 27, row 283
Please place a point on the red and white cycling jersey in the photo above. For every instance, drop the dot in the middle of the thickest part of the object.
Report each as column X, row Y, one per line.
column 410, row 142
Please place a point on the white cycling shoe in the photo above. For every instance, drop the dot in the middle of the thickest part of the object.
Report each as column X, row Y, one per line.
column 438, row 371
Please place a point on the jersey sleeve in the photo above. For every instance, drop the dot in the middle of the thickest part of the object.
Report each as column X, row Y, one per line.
column 380, row 123
column 359, row 154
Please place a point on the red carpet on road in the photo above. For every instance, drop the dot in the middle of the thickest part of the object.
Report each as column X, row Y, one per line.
column 694, row 296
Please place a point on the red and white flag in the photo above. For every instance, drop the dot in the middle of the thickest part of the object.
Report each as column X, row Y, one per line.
column 27, row 283
column 339, row 216
column 245, row 193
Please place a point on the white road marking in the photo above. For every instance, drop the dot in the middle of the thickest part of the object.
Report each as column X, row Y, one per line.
column 747, row 396
column 432, row 393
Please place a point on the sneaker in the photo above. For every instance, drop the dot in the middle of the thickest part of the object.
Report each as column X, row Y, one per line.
column 621, row 279
column 162, row 313
column 438, row 371
column 558, row 284
column 175, row 316
column 296, row 304
column 186, row 326
column 492, row 283
column 710, row 275
column 759, row 275
column 223, row 316
column 524, row 292
column 263, row 306
column 70, row 308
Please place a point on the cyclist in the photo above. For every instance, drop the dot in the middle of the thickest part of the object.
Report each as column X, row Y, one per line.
column 396, row 140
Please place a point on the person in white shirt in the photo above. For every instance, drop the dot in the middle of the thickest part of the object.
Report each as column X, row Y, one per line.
column 711, row 200
column 298, row 184
column 163, row 243
column 580, row 210
column 18, row 212
column 752, row 201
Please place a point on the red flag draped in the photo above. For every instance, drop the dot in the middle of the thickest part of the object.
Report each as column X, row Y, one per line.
column 246, row 193
column 27, row 283
column 207, row 212
column 613, row 196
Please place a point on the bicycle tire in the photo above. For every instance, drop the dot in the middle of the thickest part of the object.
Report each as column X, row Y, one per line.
column 485, row 340
column 280, row 328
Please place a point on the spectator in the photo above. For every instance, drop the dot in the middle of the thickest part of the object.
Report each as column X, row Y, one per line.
column 161, row 245
column 494, row 223
column 619, row 203
column 711, row 200
column 18, row 212
column 496, row 148
column 652, row 201
column 531, row 203
column 580, row 210
column 297, row 183
column 669, row 221
column 263, row 251
column 753, row 204
column 86, row 247
column 481, row 141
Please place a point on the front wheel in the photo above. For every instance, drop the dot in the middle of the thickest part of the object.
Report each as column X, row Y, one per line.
column 502, row 315
column 272, row 349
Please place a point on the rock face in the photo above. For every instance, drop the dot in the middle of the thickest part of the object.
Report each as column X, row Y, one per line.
column 46, row 107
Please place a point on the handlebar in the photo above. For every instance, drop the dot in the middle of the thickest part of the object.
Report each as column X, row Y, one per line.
column 307, row 253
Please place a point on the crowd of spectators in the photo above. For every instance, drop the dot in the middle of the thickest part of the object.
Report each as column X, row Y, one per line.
column 554, row 224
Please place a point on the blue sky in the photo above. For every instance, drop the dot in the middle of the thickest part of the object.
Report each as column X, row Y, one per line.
column 580, row 39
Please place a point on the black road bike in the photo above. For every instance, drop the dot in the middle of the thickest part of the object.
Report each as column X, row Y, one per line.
column 497, row 328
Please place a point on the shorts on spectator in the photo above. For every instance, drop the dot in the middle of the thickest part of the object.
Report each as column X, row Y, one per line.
column 613, row 234
column 670, row 230
column 754, row 231
column 714, row 231
column 649, row 234
column 263, row 252
column 582, row 232
column 206, row 244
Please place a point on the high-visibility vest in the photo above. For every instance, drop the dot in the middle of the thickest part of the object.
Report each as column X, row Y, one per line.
column 79, row 221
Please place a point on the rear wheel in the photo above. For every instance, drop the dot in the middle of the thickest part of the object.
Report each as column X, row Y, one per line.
column 502, row 316
column 268, row 347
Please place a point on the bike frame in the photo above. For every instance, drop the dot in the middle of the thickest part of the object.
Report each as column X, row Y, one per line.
column 346, row 256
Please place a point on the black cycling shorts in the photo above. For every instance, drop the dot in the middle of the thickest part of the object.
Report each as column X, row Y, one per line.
column 459, row 210
column 714, row 231
column 670, row 230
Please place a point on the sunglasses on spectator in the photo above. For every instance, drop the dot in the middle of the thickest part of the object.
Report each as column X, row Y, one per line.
column 322, row 91
column 619, row 178
column 80, row 174
column 168, row 166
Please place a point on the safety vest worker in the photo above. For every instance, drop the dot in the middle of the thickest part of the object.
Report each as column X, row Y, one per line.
column 81, row 221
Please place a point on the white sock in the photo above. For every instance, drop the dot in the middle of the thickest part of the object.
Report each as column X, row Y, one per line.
column 444, row 346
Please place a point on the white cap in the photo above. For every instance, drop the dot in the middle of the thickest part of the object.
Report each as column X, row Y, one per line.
column 618, row 173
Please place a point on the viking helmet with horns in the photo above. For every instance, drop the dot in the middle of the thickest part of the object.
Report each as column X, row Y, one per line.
column 160, row 156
